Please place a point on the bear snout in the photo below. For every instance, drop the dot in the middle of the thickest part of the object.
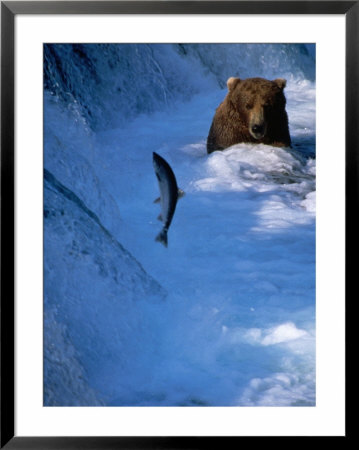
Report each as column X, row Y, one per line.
column 257, row 124
column 258, row 130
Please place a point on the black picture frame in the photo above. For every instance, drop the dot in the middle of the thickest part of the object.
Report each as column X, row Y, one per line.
column 9, row 9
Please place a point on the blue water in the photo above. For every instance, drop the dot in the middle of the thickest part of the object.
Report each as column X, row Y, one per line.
column 226, row 314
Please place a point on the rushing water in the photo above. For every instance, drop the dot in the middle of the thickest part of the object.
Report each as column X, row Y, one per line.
column 226, row 314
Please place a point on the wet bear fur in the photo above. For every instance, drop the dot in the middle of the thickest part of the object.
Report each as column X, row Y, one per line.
column 253, row 111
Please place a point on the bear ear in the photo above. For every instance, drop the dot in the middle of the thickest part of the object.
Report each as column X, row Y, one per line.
column 281, row 83
column 232, row 83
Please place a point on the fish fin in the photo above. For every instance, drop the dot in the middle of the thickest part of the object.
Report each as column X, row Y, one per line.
column 158, row 200
column 181, row 193
column 162, row 237
column 160, row 218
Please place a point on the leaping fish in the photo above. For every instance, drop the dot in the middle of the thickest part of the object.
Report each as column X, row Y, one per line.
column 169, row 194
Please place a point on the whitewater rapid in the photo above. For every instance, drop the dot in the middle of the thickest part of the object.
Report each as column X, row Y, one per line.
column 230, row 317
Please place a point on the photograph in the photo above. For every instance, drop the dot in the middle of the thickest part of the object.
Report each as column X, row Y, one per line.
column 179, row 224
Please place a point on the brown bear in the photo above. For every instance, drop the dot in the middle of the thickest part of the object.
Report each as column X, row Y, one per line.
column 252, row 111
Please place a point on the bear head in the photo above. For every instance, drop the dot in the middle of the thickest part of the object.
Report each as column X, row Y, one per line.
column 259, row 102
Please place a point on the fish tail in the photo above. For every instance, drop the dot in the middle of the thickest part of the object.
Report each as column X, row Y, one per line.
column 162, row 237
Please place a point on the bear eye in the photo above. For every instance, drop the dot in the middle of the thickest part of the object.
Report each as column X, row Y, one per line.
column 249, row 106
